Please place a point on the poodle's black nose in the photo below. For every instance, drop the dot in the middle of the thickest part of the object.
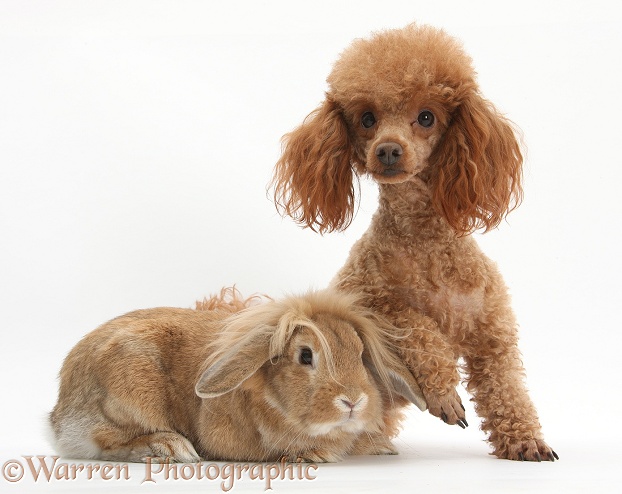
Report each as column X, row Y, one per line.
column 389, row 153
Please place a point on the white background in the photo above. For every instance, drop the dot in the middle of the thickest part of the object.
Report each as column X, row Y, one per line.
column 136, row 143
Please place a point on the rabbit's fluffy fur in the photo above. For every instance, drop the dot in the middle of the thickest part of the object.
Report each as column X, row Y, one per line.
column 403, row 107
column 305, row 378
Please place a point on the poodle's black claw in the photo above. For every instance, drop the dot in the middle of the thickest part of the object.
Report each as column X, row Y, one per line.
column 554, row 455
column 465, row 422
column 538, row 457
column 462, row 423
column 444, row 417
column 521, row 457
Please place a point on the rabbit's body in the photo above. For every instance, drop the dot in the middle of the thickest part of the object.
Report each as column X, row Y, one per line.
column 112, row 386
column 283, row 379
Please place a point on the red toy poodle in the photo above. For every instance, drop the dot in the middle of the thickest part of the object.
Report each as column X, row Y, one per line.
column 404, row 108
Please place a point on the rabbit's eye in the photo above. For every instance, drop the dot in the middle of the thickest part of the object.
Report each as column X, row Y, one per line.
column 426, row 119
column 306, row 356
column 368, row 120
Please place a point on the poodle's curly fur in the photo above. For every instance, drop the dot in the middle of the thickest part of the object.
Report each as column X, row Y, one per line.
column 404, row 108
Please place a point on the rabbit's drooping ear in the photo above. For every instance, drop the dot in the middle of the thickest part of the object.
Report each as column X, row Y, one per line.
column 313, row 179
column 404, row 384
column 234, row 366
column 401, row 382
column 477, row 167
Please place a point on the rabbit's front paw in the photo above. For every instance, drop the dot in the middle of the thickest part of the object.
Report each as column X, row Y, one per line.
column 313, row 456
column 373, row 444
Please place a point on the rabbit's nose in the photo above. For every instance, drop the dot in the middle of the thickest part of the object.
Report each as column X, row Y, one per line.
column 347, row 404
column 389, row 153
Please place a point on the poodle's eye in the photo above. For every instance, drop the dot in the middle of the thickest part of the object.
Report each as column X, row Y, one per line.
column 368, row 120
column 426, row 119
column 306, row 356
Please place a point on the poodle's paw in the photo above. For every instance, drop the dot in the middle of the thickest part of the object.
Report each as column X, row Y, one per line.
column 525, row 450
column 448, row 408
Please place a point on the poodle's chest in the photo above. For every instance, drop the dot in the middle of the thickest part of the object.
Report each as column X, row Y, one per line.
column 442, row 284
column 446, row 302
column 452, row 270
column 448, row 282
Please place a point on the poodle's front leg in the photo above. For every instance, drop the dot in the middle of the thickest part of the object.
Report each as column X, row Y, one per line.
column 431, row 359
column 495, row 379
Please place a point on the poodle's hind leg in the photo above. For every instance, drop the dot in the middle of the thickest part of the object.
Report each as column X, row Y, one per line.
column 496, row 382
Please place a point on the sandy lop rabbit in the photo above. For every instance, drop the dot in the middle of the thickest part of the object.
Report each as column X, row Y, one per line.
column 305, row 378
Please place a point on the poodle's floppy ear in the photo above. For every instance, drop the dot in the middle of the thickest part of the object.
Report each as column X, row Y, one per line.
column 477, row 167
column 313, row 180
column 234, row 366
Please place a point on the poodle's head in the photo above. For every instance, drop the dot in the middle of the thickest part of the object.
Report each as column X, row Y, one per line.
column 402, row 106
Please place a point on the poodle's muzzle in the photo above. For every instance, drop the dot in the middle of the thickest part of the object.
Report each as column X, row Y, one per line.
column 389, row 153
